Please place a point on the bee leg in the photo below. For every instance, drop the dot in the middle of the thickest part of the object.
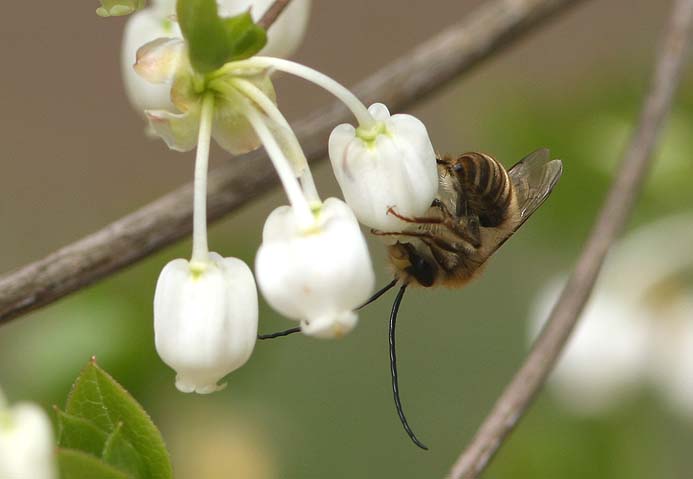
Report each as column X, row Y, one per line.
column 424, row 236
column 393, row 368
column 416, row 219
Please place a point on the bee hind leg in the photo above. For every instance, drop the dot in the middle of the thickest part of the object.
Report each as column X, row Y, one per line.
column 424, row 236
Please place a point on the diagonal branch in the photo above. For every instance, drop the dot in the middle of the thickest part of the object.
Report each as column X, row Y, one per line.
column 519, row 394
column 486, row 31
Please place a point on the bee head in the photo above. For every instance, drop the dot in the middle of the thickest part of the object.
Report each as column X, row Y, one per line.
column 406, row 259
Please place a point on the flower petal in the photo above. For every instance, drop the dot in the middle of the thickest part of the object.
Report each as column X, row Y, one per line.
column 178, row 130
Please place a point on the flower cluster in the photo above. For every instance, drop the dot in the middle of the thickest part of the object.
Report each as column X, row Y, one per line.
column 198, row 80
column 638, row 327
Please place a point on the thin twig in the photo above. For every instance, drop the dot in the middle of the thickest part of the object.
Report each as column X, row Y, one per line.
column 272, row 13
column 519, row 394
column 427, row 68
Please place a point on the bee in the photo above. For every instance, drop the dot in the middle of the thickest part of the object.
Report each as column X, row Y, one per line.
column 479, row 205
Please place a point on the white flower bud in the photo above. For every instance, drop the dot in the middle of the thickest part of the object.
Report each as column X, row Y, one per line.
column 26, row 443
column 393, row 166
column 317, row 277
column 143, row 27
column 205, row 322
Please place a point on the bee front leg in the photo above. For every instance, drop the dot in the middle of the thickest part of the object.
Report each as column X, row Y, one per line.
column 421, row 220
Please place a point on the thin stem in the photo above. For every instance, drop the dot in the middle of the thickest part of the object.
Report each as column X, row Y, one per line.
column 363, row 116
column 272, row 13
column 299, row 204
column 290, row 141
column 200, row 249
column 546, row 350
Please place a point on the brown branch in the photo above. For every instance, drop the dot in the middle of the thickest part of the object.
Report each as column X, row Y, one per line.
column 272, row 13
column 520, row 393
column 427, row 68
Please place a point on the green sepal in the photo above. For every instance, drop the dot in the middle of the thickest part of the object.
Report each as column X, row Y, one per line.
column 80, row 434
column 118, row 8
column 245, row 37
column 99, row 399
column 80, row 465
column 213, row 41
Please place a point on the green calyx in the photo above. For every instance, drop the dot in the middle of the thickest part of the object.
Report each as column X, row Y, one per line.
column 369, row 134
column 214, row 41
column 118, row 8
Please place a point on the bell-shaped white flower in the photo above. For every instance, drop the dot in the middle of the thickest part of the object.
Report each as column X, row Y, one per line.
column 318, row 276
column 205, row 320
column 392, row 165
column 26, row 442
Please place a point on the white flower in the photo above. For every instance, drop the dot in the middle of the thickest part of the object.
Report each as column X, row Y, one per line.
column 638, row 326
column 158, row 21
column 164, row 62
column 606, row 358
column 26, row 442
column 392, row 166
column 317, row 277
column 205, row 322
column 141, row 28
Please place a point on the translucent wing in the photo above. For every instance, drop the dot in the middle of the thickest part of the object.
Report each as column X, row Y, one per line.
column 533, row 179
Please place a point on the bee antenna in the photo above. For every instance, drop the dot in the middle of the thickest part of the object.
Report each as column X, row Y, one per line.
column 393, row 368
column 279, row 334
column 379, row 293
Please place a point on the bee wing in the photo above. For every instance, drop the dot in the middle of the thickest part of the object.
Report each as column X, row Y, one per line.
column 533, row 179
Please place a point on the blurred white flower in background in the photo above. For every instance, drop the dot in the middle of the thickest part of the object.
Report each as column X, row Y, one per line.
column 26, row 442
column 637, row 329
column 158, row 21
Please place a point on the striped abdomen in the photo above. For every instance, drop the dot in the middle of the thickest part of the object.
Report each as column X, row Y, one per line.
column 482, row 186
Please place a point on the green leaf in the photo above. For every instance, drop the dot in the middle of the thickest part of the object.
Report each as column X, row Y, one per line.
column 118, row 452
column 79, row 433
column 244, row 36
column 118, row 8
column 80, row 465
column 213, row 41
column 98, row 398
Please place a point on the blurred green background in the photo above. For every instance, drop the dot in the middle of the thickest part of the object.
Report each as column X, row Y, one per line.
column 75, row 158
